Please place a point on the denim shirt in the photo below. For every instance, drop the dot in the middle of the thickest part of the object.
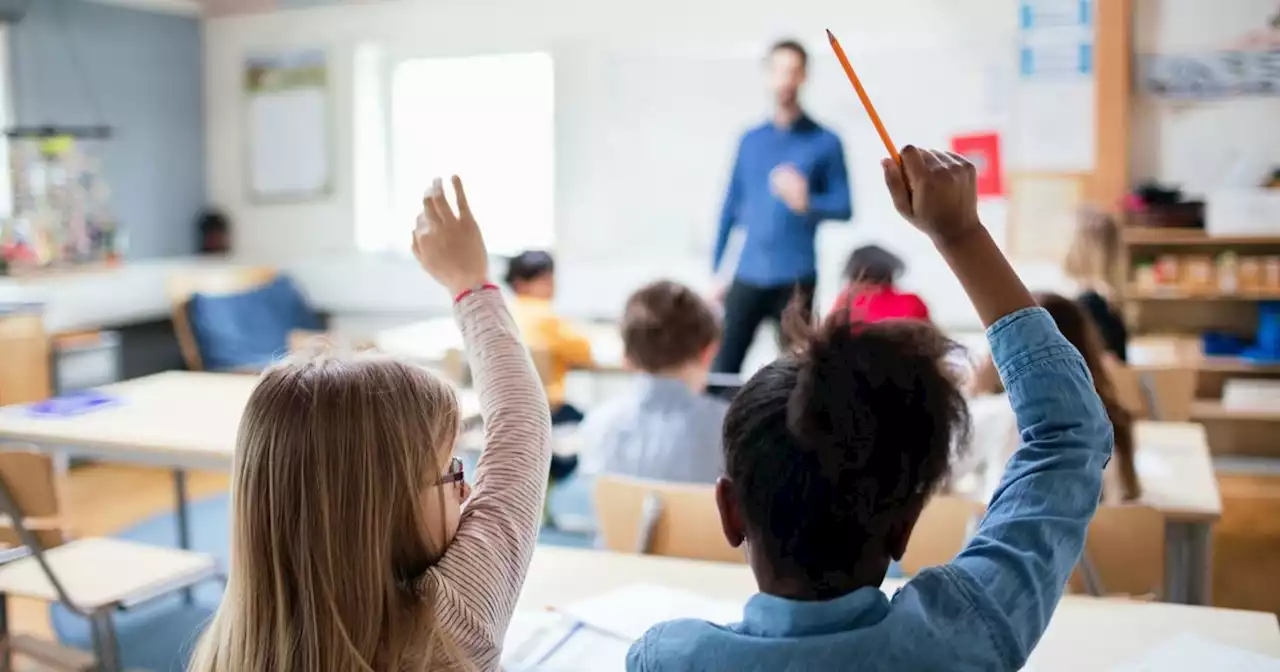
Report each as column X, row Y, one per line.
column 661, row 429
column 987, row 609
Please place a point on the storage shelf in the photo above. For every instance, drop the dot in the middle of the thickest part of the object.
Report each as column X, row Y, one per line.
column 1213, row 410
column 1176, row 295
column 1144, row 236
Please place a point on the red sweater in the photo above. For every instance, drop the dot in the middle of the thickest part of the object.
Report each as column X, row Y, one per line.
column 882, row 303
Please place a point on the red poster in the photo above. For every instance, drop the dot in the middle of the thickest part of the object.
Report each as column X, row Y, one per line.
column 983, row 150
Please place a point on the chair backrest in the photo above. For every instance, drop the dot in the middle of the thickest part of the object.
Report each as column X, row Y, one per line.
column 1124, row 552
column 944, row 527
column 1161, row 392
column 31, row 483
column 212, row 280
column 686, row 524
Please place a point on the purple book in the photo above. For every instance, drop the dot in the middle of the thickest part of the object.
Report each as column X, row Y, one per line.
column 72, row 404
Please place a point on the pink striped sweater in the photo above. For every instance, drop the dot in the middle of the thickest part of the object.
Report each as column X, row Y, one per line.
column 478, row 579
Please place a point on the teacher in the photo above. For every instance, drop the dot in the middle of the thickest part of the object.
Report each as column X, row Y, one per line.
column 788, row 177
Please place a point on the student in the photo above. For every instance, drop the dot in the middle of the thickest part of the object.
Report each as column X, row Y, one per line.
column 1121, row 479
column 532, row 276
column 1091, row 263
column 664, row 427
column 869, row 293
column 350, row 549
column 832, row 451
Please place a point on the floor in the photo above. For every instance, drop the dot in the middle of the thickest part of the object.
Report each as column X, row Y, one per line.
column 93, row 508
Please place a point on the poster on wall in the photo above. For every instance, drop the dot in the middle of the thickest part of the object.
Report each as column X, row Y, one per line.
column 1248, row 67
column 1053, row 102
column 288, row 121
column 983, row 151
column 1043, row 211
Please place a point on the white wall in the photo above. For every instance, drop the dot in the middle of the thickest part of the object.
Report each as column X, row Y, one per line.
column 1195, row 144
column 572, row 30
column 317, row 240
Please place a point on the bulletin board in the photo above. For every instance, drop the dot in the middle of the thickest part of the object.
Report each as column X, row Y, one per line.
column 1043, row 212
column 288, row 117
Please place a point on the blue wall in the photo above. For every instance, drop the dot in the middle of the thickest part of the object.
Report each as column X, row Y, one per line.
column 145, row 70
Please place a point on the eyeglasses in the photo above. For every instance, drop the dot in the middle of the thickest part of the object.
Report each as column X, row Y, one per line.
column 455, row 474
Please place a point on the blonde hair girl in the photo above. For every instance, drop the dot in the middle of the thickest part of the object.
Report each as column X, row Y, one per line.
column 350, row 546
column 1093, row 263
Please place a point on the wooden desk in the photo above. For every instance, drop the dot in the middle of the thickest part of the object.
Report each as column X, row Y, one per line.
column 179, row 419
column 1178, row 479
column 432, row 340
column 1085, row 633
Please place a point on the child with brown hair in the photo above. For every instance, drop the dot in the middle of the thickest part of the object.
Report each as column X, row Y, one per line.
column 832, row 452
column 664, row 427
column 350, row 546
column 1092, row 262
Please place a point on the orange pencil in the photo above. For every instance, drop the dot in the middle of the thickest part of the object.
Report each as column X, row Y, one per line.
column 862, row 95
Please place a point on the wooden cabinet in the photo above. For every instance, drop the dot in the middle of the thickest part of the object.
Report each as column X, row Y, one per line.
column 1246, row 542
column 24, row 358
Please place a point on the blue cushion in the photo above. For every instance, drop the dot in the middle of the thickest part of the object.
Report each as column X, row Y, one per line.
column 250, row 329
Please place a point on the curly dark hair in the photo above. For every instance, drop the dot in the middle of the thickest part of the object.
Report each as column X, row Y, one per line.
column 833, row 445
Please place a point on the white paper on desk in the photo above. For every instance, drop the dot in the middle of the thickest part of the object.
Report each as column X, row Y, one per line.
column 1193, row 652
column 588, row 649
column 533, row 635
column 630, row 611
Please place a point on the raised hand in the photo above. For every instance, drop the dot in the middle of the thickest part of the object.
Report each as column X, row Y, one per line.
column 790, row 185
column 936, row 191
column 448, row 244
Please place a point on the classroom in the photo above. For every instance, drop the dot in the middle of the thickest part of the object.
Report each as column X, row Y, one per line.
column 571, row 335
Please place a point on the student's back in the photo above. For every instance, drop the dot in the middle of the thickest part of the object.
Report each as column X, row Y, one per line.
column 831, row 454
column 663, row 427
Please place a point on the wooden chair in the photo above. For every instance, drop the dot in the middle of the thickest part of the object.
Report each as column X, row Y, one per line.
column 1124, row 553
column 91, row 578
column 214, row 281
column 660, row 518
column 944, row 527
column 1163, row 393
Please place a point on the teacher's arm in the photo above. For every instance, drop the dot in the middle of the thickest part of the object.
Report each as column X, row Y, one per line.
column 830, row 198
column 729, row 212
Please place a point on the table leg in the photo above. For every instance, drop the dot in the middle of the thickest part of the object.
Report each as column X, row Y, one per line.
column 1177, row 563
column 181, row 514
column 1200, row 552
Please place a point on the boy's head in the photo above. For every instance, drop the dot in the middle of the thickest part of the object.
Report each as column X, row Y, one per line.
column 667, row 327
column 532, row 273
column 832, row 451
column 873, row 265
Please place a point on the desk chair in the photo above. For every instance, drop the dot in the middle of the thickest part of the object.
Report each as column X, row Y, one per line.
column 944, row 527
column 660, row 518
column 1124, row 553
column 91, row 578
column 220, row 282
column 1154, row 393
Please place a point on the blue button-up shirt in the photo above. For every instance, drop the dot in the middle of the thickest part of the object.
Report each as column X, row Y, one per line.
column 987, row 608
column 661, row 429
column 779, row 247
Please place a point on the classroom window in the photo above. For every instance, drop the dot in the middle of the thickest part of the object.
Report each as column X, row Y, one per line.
column 489, row 119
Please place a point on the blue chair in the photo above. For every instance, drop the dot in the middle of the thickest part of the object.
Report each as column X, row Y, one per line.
column 237, row 319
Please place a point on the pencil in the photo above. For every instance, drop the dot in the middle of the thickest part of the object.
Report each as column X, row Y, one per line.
column 862, row 95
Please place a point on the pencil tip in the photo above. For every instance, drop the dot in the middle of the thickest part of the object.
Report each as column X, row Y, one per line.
column 830, row 36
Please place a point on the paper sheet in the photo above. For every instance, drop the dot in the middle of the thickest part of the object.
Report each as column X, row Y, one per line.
column 588, row 649
column 629, row 612
column 532, row 636
column 1193, row 652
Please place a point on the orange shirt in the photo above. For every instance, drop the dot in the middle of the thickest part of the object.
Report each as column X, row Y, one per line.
column 556, row 346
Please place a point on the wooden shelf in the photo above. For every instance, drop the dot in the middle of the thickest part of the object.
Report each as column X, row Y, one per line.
column 1142, row 236
column 1176, row 295
column 1212, row 409
column 1237, row 365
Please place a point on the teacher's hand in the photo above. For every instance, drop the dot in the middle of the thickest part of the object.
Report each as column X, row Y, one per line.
column 790, row 185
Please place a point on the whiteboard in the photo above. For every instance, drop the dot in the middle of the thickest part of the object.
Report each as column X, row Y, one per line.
column 647, row 140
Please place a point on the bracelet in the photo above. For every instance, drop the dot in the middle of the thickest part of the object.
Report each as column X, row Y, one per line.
column 468, row 292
